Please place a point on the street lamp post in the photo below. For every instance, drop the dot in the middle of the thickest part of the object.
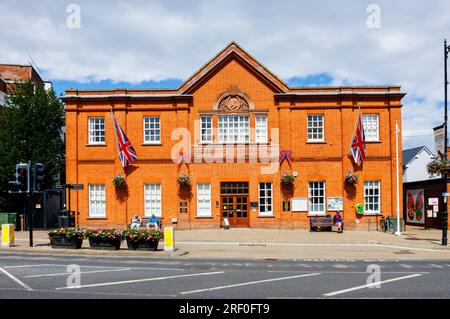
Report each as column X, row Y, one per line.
column 445, row 212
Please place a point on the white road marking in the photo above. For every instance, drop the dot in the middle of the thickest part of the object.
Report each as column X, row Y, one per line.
column 117, row 267
column 81, row 273
column 436, row 266
column 142, row 280
column 406, row 266
column 247, row 283
column 334, row 293
column 15, row 279
column 23, row 266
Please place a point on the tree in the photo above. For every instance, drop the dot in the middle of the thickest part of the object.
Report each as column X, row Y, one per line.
column 31, row 128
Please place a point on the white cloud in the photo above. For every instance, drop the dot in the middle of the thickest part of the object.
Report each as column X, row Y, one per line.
column 142, row 40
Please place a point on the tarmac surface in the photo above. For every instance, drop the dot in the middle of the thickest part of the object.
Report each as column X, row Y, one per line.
column 25, row 275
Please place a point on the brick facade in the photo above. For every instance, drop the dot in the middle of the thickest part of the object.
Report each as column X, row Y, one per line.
column 231, row 72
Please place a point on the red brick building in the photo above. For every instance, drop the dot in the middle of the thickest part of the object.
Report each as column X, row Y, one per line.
column 235, row 129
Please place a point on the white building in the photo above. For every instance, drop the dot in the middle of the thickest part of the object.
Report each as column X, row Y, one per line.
column 415, row 162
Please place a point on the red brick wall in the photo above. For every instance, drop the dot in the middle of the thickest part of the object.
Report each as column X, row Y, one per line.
column 328, row 161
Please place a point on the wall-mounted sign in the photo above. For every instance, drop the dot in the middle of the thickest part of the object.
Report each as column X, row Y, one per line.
column 335, row 204
column 286, row 205
column 416, row 206
column 433, row 201
column 435, row 208
column 439, row 142
column 299, row 204
column 429, row 213
column 254, row 206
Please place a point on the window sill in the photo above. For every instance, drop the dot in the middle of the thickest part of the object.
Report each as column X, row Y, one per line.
column 204, row 217
column 316, row 214
column 97, row 218
column 93, row 145
column 316, row 142
column 152, row 144
column 266, row 216
column 372, row 214
column 374, row 142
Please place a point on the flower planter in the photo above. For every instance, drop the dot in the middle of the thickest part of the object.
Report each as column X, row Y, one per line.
column 59, row 241
column 97, row 243
column 143, row 245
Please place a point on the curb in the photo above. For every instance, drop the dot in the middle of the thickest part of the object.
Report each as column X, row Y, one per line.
column 95, row 252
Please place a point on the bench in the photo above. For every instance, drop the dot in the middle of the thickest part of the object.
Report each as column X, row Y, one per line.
column 322, row 223
column 145, row 222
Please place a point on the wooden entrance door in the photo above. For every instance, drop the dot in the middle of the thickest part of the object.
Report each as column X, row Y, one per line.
column 234, row 203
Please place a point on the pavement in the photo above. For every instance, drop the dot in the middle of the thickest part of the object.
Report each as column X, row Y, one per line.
column 24, row 275
column 271, row 244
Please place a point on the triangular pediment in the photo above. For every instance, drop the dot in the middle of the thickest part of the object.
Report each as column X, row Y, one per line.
column 233, row 52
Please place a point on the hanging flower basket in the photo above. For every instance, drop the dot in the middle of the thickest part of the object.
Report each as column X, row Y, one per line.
column 288, row 179
column 119, row 181
column 351, row 178
column 184, row 180
column 439, row 166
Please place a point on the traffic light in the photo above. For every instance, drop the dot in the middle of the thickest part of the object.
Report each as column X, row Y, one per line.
column 23, row 177
column 38, row 177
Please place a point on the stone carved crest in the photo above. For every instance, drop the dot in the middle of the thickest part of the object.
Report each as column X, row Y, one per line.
column 233, row 102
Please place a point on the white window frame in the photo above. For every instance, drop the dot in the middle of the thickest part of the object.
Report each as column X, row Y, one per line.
column 370, row 199
column 234, row 129
column 371, row 125
column 153, row 129
column 206, row 129
column 261, row 128
column 97, row 201
column 204, row 200
column 265, row 200
column 315, row 128
column 312, row 203
column 93, row 122
column 152, row 199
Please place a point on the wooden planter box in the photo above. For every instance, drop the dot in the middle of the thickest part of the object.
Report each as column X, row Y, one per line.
column 59, row 241
column 147, row 245
column 96, row 243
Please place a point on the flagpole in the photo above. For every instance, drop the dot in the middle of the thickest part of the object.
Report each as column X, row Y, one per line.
column 398, row 232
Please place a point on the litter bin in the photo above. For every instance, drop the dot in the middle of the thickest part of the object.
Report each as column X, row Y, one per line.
column 8, row 218
column 394, row 223
column 63, row 219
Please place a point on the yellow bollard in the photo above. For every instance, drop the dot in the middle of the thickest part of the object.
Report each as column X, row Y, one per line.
column 169, row 239
column 7, row 235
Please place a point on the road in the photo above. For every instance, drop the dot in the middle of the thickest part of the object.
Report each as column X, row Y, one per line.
column 46, row 276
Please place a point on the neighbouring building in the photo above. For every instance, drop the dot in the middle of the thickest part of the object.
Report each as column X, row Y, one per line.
column 13, row 73
column 235, row 129
column 422, row 198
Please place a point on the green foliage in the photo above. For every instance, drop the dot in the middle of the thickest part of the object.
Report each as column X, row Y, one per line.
column 68, row 232
column 31, row 129
column 119, row 181
column 142, row 235
column 104, row 234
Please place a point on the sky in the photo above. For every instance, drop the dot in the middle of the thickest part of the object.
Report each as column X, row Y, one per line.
column 147, row 44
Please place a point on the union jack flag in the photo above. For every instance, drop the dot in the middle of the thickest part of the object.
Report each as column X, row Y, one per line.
column 358, row 145
column 127, row 154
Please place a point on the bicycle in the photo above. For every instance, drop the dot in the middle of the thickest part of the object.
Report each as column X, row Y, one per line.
column 386, row 225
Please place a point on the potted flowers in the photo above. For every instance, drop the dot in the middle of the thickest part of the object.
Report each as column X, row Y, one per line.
column 351, row 178
column 70, row 237
column 287, row 178
column 184, row 180
column 145, row 239
column 439, row 166
column 104, row 238
column 119, row 181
